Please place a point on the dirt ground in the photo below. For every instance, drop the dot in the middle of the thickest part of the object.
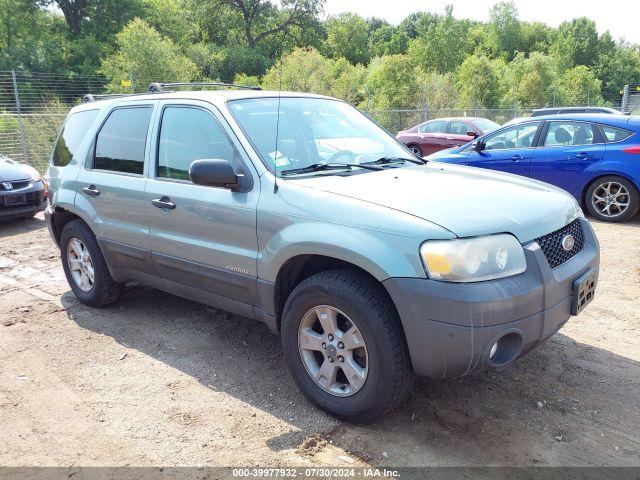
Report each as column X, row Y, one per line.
column 158, row 380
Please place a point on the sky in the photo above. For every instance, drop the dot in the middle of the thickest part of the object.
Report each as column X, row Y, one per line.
column 620, row 17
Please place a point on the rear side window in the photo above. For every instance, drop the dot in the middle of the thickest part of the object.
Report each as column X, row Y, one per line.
column 189, row 134
column 71, row 136
column 437, row 126
column 569, row 133
column 613, row 134
column 121, row 142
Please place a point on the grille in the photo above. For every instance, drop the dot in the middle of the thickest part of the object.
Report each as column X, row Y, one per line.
column 32, row 199
column 551, row 244
column 16, row 185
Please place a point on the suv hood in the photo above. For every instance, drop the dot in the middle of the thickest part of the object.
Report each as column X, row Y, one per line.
column 465, row 200
column 11, row 171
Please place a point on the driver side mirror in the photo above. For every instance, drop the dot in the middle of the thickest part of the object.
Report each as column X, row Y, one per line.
column 478, row 145
column 472, row 133
column 215, row 172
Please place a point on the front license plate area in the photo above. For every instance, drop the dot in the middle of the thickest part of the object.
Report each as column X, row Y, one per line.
column 583, row 291
column 14, row 200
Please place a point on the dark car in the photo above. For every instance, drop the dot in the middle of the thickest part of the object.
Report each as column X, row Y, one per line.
column 436, row 135
column 539, row 112
column 22, row 191
column 595, row 157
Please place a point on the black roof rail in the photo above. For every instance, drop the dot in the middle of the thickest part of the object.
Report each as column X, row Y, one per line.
column 160, row 87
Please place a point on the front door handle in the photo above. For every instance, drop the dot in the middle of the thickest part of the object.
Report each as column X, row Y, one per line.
column 163, row 202
column 582, row 155
column 516, row 158
column 91, row 190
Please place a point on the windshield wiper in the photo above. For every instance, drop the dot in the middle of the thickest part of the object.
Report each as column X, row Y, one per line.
column 317, row 167
column 387, row 160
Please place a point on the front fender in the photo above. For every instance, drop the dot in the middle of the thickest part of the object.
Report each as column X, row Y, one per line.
column 383, row 255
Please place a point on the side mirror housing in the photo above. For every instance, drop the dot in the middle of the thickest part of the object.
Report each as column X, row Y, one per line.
column 473, row 134
column 478, row 145
column 215, row 172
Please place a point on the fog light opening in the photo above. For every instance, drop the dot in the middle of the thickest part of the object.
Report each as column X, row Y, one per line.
column 506, row 349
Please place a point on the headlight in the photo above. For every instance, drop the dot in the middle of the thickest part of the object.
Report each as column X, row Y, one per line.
column 473, row 259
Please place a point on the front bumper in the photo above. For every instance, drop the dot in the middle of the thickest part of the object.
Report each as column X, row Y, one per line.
column 35, row 201
column 451, row 327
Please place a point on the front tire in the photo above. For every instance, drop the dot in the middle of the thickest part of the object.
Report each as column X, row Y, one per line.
column 85, row 267
column 612, row 199
column 344, row 346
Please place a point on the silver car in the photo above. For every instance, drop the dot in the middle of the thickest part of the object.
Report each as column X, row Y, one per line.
column 298, row 211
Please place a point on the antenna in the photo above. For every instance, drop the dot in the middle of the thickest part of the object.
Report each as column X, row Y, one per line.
column 275, row 153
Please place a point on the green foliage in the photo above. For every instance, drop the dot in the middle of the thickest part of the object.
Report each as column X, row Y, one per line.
column 478, row 81
column 441, row 44
column 393, row 83
column 348, row 37
column 505, row 30
column 147, row 56
column 576, row 43
column 306, row 70
column 580, row 86
column 530, row 81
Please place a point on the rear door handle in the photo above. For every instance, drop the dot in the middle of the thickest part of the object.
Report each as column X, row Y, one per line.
column 516, row 158
column 91, row 190
column 163, row 202
column 582, row 155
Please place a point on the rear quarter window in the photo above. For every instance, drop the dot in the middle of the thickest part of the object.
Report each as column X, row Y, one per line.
column 73, row 132
column 614, row 134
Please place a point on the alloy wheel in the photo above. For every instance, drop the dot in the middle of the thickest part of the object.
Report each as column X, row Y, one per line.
column 333, row 350
column 80, row 264
column 610, row 199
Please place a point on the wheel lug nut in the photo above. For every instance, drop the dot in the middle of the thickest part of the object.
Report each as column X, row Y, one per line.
column 340, row 345
column 324, row 345
column 341, row 358
column 330, row 338
column 330, row 359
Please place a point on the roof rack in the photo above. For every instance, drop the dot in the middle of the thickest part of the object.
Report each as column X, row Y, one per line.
column 91, row 97
column 160, row 87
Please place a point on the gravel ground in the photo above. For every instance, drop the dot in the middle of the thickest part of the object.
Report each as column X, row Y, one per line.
column 158, row 380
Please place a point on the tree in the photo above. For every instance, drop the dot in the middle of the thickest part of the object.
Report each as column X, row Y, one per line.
column 388, row 40
column 261, row 19
column 441, row 45
column 393, row 83
column 579, row 86
column 478, row 80
column 146, row 56
column 348, row 37
column 617, row 64
column 306, row 70
column 576, row 43
column 505, row 35
column 530, row 81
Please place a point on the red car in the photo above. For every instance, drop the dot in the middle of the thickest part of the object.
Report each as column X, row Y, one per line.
column 435, row 135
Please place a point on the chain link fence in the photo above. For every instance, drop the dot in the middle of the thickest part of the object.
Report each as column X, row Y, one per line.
column 34, row 105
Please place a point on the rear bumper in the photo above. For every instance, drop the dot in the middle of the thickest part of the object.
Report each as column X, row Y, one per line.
column 35, row 198
column 451, row 327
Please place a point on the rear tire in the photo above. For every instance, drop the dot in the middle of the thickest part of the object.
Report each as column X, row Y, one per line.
column 362, row 303
column 101, row 289
column 612, row 199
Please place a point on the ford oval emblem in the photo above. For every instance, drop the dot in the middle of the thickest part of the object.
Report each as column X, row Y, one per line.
column 568, row 242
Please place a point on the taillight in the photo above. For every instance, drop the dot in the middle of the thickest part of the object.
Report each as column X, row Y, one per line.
column 635, row 150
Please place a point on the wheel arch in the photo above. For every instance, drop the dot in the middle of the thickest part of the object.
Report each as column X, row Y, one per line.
column 602, row 174
column 300, row 267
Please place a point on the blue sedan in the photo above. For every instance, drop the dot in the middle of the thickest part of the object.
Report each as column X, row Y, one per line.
column 595, row 157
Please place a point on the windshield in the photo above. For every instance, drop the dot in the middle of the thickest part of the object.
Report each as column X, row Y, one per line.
column 312, row 131
column 485, row 125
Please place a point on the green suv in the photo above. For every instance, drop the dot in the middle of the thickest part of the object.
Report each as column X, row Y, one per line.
column 299, row 211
